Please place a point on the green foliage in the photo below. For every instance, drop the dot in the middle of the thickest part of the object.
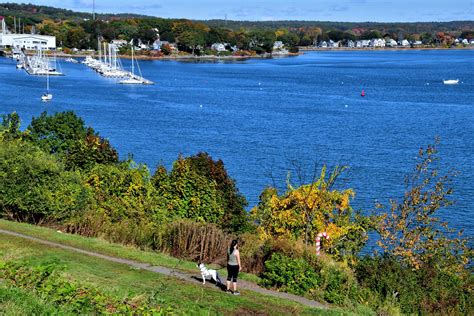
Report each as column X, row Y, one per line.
column 10, row 128
column 66, row 135
column 233, row 202
column 57, row 133
column 188, row 194
column 124, row 192
column 46, row 280
column 291, row 275
column 86, row 153
column 34, row 186
column 426, row 291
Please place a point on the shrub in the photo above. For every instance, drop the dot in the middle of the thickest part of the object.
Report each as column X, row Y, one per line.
column 338, row 284
column 293, row 275
column 34, row 186
column 427, row 290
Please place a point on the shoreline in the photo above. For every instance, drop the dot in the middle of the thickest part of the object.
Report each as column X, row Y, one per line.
column 180, row 57
column 302, row 51
column 379, row 49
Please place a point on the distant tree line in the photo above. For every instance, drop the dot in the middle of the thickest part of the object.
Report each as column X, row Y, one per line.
column 78, row 30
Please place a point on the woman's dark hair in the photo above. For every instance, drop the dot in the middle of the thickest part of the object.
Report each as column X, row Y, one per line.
column 232, row 246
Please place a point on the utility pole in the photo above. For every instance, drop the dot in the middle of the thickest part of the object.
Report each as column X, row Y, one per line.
column 93, row 10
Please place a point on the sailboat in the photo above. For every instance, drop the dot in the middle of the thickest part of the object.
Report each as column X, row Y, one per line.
column 47, row 96
column 134, row 79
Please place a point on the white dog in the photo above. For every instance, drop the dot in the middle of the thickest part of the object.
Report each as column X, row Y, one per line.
column 205, row 272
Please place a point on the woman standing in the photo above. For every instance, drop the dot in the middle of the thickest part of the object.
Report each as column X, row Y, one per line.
column 233, row 266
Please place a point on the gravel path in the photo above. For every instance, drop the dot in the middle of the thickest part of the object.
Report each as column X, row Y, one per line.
column 196, row 278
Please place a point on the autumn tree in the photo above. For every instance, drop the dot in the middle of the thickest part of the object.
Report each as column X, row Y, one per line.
column 305, row 211
column 411, row 229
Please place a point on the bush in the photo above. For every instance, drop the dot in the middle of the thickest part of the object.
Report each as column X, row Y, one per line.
column 34, row 187
column 427, row 290
column 293, row 275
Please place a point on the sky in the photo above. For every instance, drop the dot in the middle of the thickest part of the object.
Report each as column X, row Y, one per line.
column 264, row 10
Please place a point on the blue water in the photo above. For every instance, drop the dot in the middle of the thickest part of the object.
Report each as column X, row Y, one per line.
column 261, row 117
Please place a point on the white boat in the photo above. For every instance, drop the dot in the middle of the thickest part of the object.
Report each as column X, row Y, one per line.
column 135, row 79
column 47, row 96
column 451, row 81
column 131, row 80
column 72, row 60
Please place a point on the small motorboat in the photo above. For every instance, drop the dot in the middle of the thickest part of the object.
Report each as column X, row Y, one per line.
column 451, row 81
column 362, row 94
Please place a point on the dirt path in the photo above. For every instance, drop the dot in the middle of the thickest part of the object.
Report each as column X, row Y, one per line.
column 194, row 278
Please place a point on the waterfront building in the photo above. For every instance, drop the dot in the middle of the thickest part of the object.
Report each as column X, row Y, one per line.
column 333, row 44
column 218, row 47
column 119, row 43
column 25, row 41
column 351, row 44
column 391, row 42
column 405, row 43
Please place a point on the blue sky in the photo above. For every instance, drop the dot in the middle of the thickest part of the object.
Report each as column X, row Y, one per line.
column 321, row 10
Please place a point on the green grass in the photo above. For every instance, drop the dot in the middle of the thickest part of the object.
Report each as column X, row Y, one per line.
column 120, row 280
column 15, row 301
column 107, row 248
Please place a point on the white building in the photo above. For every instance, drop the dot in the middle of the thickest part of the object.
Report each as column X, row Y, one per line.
column 119, row 43
column 26, row 41
column 218, row 47
column 377, row 42
column 350, row 44
column 333, row 44
column 363, row 43
column 278, row 45
column 391, row 42
column 405, row 43
column 323, row 44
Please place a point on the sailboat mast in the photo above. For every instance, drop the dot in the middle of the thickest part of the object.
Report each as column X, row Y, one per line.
column 100, row 49
column 133, row 63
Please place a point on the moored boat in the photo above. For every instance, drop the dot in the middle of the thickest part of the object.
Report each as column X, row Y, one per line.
column 451, row 81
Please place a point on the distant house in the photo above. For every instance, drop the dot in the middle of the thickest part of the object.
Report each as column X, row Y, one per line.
column 377, row 42
column 391, row 42
column 417, row 43
column 405, row 43
column 323, row 44
column 278, row 45
column 218, row 47
column 119, row 43
column 465, row 42
column 472, row 42
column 158, row 44
column 333, row 44
column 350, row 44
column 364, row 43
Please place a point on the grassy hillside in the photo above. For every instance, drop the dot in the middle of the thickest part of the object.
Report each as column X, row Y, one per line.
column 118, row 280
